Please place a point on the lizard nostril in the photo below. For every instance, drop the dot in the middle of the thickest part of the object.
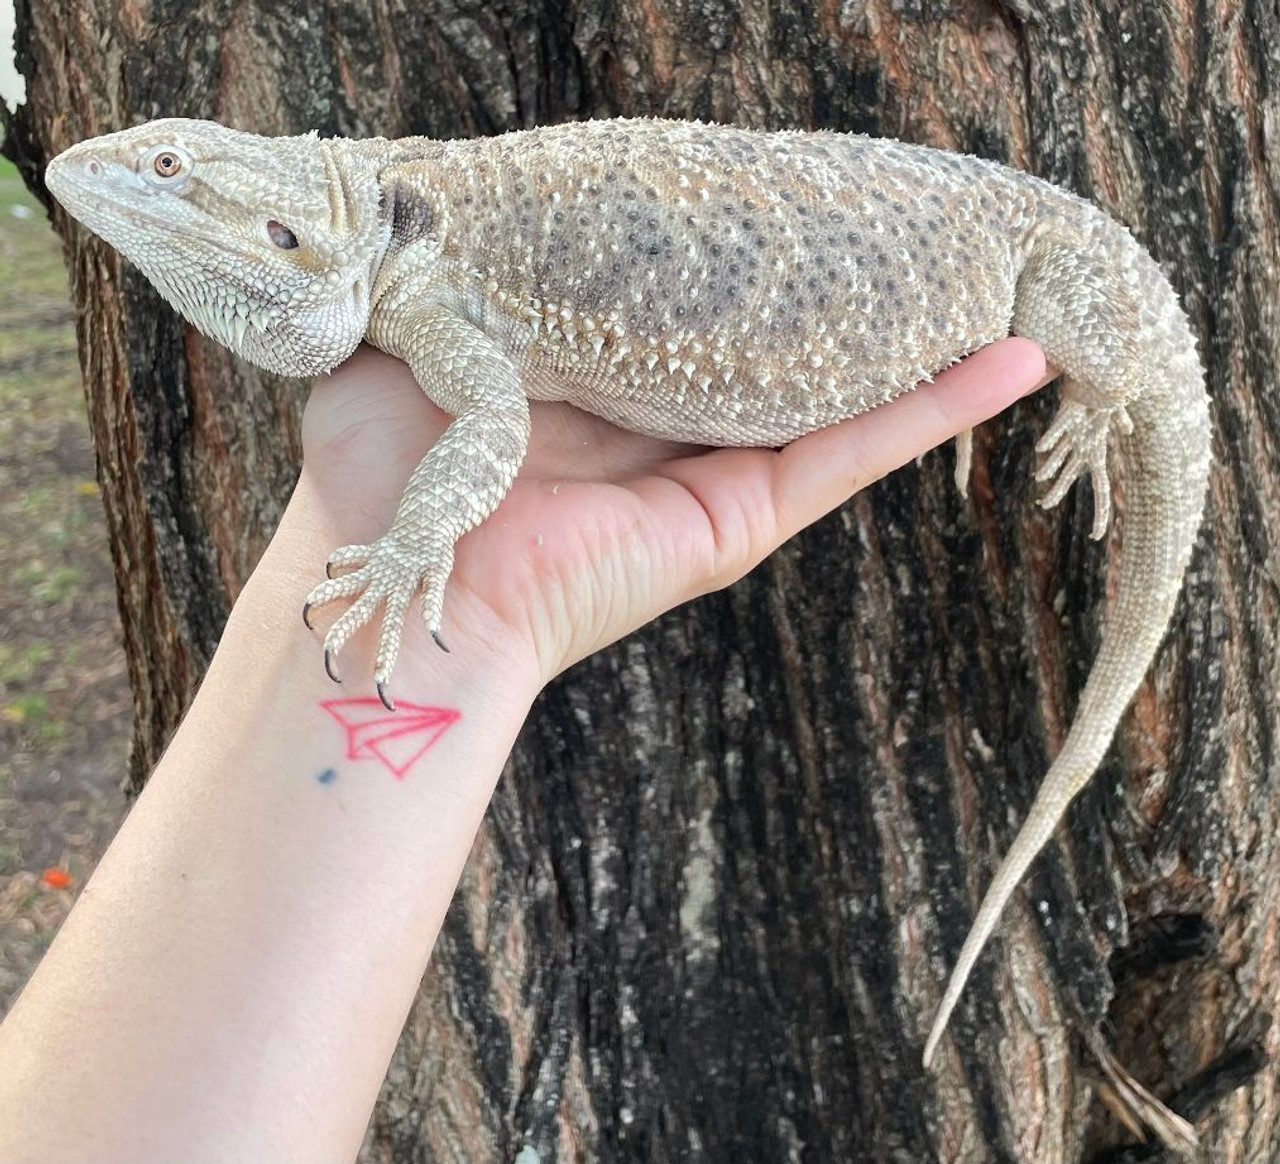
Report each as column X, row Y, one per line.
column 94, row 168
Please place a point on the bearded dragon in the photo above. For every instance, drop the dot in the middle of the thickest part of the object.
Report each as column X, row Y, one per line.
column 692, row 282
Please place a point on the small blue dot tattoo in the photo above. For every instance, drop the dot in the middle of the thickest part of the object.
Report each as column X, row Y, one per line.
column 328, row 776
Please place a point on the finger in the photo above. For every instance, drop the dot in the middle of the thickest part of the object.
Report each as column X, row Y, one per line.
column 818, row 472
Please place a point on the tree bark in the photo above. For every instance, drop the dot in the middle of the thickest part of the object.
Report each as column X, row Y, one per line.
column 713, row 906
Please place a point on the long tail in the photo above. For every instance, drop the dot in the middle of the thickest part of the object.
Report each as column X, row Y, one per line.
column 1165, row 462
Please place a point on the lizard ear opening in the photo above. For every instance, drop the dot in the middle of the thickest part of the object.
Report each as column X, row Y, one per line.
column 281, row 235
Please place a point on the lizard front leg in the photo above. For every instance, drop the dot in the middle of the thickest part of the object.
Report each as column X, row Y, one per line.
column 455, row 487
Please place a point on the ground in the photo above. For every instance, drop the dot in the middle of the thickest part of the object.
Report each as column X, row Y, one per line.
column 64, row 694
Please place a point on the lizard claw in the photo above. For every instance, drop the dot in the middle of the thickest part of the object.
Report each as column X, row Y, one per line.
column 328, row 666
column 382, row 694
column 306, row 616
column 435, row 634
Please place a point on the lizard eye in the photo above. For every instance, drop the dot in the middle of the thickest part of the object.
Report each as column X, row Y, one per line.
column 281, row 235
column 167, row 166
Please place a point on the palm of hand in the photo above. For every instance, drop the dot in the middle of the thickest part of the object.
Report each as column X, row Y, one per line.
column 605, row 529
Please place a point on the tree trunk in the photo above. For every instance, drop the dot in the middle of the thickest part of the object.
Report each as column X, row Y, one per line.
column 713, row 906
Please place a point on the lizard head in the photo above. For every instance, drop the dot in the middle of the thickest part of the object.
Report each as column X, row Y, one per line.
column 269, row 245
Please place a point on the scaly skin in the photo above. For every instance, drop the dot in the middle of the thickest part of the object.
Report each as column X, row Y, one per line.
column 686, row 281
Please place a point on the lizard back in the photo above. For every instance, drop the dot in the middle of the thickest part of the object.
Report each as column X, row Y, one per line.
column 715, row 285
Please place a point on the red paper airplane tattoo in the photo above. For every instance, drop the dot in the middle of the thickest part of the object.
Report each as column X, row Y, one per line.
column 397, row 740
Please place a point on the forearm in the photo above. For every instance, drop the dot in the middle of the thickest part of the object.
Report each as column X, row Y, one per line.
column 233, row 979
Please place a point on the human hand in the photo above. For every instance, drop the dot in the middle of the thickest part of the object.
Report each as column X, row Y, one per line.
column 605, row 529
column 261, row 846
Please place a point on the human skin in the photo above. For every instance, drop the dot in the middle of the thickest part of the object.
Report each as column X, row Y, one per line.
column 233, row 979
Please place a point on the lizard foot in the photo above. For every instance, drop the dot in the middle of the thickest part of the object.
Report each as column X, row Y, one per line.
column 1076, row 443
column 388, row 572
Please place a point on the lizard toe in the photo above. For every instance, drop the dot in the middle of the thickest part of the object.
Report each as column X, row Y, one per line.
column 345, row 557
column 351, row 620
column 433, row 587
column 398, row 597
column 331, row 590
column 964, row 461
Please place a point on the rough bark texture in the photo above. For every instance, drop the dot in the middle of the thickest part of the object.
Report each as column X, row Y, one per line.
column 733, row 858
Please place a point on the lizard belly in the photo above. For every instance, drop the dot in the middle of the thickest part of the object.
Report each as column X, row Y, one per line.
column 757, row 399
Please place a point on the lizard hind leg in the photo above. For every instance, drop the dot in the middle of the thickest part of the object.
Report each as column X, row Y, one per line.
column 1074, row 444
column 1080, row 305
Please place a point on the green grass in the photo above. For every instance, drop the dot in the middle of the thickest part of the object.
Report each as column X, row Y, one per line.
column 18, row 665
column 10, row 858
column 64, row 695
column 26, row 250
column 57, row 616
column 39, row 375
